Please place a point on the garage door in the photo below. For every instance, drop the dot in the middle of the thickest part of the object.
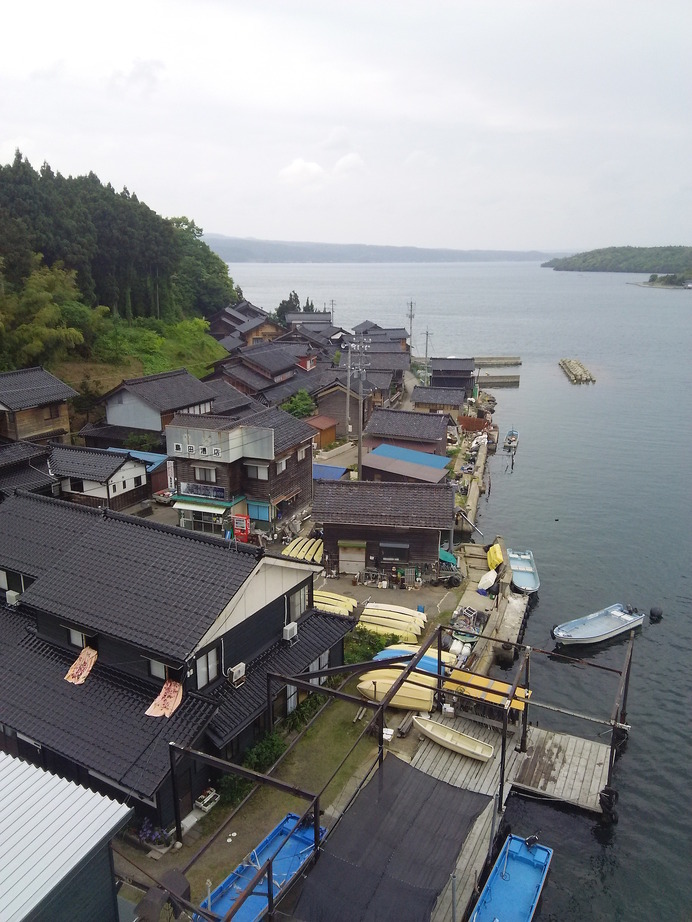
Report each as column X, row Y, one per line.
column 351, row 557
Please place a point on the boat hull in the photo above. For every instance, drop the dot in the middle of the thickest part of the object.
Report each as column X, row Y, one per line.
column 400, row 609
column 389, row 631
column 524, row 573
column 395, row 615
column 516, row 880
column 599, row 626
column 408, row 697
column 458, row 742
column 396, row 624
column 389, row 674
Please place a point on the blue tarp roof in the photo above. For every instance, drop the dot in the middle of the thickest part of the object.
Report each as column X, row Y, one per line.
column 150, row 458
column 327, row 472
column 413, row 457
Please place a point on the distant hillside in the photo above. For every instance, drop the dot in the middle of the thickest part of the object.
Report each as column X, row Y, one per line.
column 671, row 259
column 246, row 250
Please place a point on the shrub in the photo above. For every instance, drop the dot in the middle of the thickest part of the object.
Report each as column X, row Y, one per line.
column 263, row 754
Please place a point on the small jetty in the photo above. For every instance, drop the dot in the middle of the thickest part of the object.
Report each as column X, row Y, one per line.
column 576, row 372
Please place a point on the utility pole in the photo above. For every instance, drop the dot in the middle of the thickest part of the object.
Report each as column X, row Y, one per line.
column 332, row 304
column 361, row 348
column 348, row 394
column 410, row 322
column 427, row 378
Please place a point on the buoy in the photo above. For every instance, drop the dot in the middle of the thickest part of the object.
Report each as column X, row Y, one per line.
column 655, row 615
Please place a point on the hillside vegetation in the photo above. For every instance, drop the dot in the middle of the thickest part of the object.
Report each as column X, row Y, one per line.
column 673, row 260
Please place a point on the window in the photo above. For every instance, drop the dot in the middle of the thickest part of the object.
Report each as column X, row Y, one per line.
column 76, row 485
column 205, row 474
column 114, row 487
column 157, row 669
column 177, row 446
column 281, row 465
column 207, row 667
column 257, row 471
column 124, row 484
column 302, row 452
column 138, row 481
column 297, row 603
column 291, row 698
column 52, row 412
column 77, row 639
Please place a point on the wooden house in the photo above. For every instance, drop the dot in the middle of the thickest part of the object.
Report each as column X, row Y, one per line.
column 98, row 477
column 243, row 324
column 408, row 429
column 33, row 406
column 325, row 431
column 120, row 635
column 454, row 373
column 24, row 466
column 439, row 400
column 382, row 525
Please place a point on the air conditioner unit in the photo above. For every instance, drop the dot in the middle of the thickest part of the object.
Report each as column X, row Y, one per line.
column 291, row 631
column 12, row 597
column 237, row 674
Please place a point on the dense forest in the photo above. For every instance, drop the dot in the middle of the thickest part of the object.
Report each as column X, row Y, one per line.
column 78, row 260
column 676, row 260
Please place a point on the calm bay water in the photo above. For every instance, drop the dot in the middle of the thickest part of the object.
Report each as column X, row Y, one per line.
column 600, row 491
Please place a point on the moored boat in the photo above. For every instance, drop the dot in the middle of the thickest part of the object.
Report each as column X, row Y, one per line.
column 516, row 880
column 524, row 573
column 598, row 626
column 511, row 440
column 453, row 739
column 289, row 845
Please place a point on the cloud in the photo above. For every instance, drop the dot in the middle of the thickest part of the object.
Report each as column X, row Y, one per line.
column 349, row 163
column 301, row 172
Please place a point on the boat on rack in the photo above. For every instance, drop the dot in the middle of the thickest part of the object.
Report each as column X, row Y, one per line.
column 524, row 573
column 384, row 619
column 408, row 697
column 290, row 846
column 514, row 886
column 600, row 625
column 511, row 440
column 389, row 630
column 453, row 739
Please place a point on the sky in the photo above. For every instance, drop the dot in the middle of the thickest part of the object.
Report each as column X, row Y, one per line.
column 557, row 125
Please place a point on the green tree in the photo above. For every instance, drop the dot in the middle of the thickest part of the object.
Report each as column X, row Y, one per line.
column 291, row 304
column 300, row 405
column 309, row 307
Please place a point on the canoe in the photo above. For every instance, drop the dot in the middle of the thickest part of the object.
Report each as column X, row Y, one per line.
column 397, row 624
column 447, row 657
column 288, row 550
column 601, row 625
column 397, row 615
column 312, row 553
column 303, row 551
column 290, row 847
column 408, row 697
column 425, row 663
column 319, row 553
column 389, row 631
column 340, row 599
column 453, row 739
column 515, row 883
column 332, row 607
column 390, row 674
column 524, row 573
column 385, row 606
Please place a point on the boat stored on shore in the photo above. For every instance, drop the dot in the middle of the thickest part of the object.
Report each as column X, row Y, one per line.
column 289, row 846
column 449, row 738
column 408, row 697
column 598, row 626
column 511, row 440
column 514, row 886
column 524, row 573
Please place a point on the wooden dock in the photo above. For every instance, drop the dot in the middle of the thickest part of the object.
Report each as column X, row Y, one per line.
column 576, row 372
column 555, row 766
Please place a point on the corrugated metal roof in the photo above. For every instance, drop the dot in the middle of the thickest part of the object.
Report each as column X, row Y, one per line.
column 427, row 459
column 49, row 826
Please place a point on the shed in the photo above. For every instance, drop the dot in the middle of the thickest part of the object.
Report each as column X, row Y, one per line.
column 325, row 430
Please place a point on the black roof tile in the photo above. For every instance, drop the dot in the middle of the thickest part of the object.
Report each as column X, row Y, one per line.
column 288, row 431
column 452, row 364
column 97, row 464
column 101, row 724
column 407, row 424
column 32, row 387
column 412, row 505
column 449, row 396
column 169, row 390
column 238, row 707
column 16, row 452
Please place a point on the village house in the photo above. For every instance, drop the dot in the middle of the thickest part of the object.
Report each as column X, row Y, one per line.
column 383, row 526
column 33, row 406
column 24, row 466
column 144, row 406
column 243, row 324
column 325, row 431
column 121, row 635
column 259, row 466
column 454, row 373
column 402, row 465
column 98, row 477
column 407, row 429
column 439, row 400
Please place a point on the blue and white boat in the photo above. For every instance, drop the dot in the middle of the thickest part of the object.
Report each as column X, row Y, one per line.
column 427, row 663
column 511, row 442
column 514, row 886
column 601, row 625
column 290, row 846
column 524, row 573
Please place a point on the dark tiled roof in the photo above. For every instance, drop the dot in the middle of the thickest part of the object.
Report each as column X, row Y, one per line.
column 238, row 707
column 272, row 358
column 302, row 380
column 205, row 421
column 97, row 464
column 288, row 431
column 412, row 505
column 101, row 724
column 232, row 342
column 107, row 433
column 452, row 364
column 247, row 377
column 157, row 587
column 380, row 380
column 170, row 390
column 229, row 401
column 407, row 424
column 365, row 326
column 449, row 396
column 26, row 477
column 32, row 387
column 16, row 452
column 387, row 361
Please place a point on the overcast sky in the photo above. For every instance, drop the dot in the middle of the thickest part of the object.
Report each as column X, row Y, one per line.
column 555, row 124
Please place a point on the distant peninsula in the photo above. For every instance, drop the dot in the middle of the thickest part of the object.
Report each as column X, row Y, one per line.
column 670, row 260
column 248, row 250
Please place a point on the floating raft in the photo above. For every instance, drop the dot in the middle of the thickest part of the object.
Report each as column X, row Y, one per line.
column 576, row 372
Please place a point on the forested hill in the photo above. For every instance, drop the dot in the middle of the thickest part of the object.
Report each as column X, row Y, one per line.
column 246, row 250
column 125, row 256
column 670, row 260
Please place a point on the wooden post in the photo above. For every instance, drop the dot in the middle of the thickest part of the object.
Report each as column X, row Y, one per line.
column 525, row 715
column 176, row 802
column 501, row 801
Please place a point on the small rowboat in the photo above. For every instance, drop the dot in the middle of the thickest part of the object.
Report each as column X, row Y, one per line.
column 408, row 697
column 453, row 739
column 414, row 617
column 385, row 606
column 331, row 607
column 395, row 624
column 601, row 625
column 425, row 663
column 339, row 599
column 392, row 673
column 514, row 886
column 448, row 658
column 389, row 631
column 524, row 573
column 511, row 440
